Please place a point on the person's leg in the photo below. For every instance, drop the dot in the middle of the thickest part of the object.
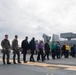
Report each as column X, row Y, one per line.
column 8, row 56
column 38, row 57
column 74, row 53
column 45, row 55
column 58, row 54
column 53, row 54
column 67, row 54
column 24, row 57
column 48, row 55
column 42, row 56
column 18, row 57
column 64, row 53
column 14, row 55
column 31, row 56
column 3, row 58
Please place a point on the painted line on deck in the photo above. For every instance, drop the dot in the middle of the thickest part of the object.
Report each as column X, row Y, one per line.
column 48, row 66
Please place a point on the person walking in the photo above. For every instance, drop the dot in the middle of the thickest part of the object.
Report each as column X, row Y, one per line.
column 52, row 47
column 57, row 50
column 63, row 49
column 67, row 51
column 40, row 51
column 73, row 49
column 15, row 50
column 32, row 45
column 5, row 49
column 25, row 47
column 47, row 50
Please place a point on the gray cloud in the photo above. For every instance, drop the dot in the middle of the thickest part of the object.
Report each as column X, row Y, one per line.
column 34, row 17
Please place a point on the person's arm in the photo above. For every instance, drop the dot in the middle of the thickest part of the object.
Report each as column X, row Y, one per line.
column 9, row 44
column 2, row 44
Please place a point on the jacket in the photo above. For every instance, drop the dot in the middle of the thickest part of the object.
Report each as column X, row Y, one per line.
column 47, row 47
column 25, row 45
column 32, row 45
column 67, row 47
column 5, row 44
column 15, row 44
column 52, row 46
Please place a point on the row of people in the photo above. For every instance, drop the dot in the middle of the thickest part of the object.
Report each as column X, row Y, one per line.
column 62, row 50
column 5, row 43
column 55, row 49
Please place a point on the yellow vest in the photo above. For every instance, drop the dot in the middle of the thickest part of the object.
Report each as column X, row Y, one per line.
column 67, row 47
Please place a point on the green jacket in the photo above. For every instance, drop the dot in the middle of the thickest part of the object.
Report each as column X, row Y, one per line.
column 15, row 44
column 52, row 46
column 5, row 44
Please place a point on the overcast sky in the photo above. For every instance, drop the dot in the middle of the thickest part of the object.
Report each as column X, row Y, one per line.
column 35, row 17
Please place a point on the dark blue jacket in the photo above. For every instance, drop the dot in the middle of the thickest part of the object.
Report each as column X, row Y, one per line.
column 25, row 45
column 32, row 45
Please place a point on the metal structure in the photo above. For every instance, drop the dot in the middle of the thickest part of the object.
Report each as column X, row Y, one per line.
column 46, row 38
column 68, row 36
column 55, row 38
